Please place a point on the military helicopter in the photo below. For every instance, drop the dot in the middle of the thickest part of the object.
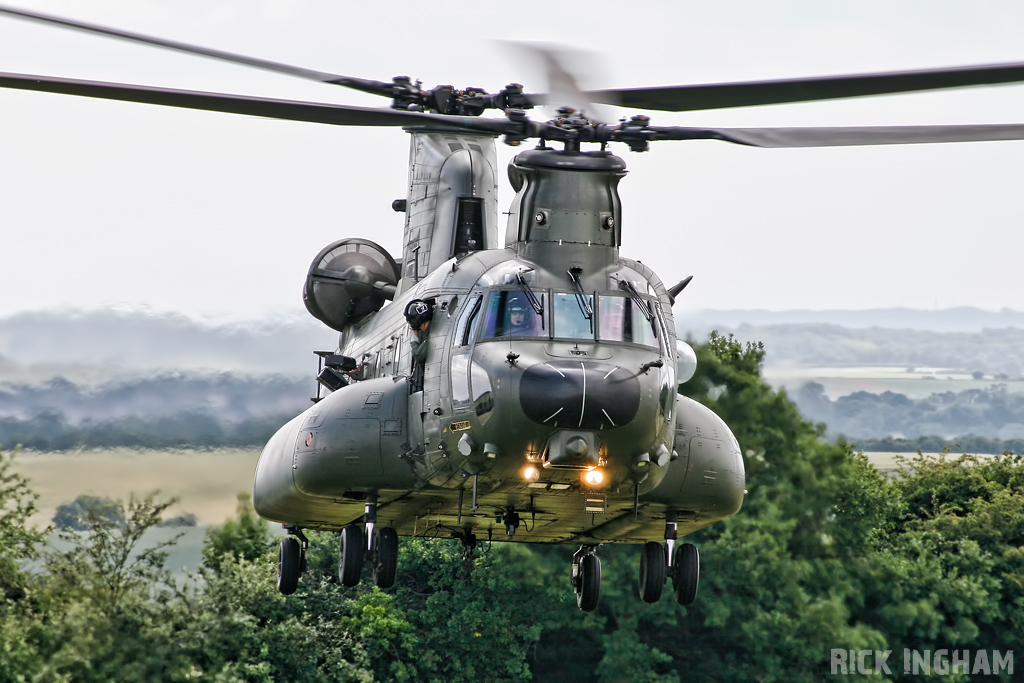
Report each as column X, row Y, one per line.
column 522, row 390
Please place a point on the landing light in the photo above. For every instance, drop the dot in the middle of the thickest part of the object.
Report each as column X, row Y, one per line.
column 642, row 462
column 531, row 473
column 593, row 477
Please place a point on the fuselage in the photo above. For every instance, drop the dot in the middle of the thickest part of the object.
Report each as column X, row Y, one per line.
column 549, row 386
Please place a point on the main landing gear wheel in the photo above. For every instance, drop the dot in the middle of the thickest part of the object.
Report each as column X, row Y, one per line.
column 588, row 582
column 289, row 565
column 385, row 566
column 686, row 574
column 652, row 571
column 350, row 558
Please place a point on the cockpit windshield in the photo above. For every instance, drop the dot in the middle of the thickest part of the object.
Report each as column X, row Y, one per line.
column 509, row 314
column 622, row 319
column 567, row 315
column 573, row 319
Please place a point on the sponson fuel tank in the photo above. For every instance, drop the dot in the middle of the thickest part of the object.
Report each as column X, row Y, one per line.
column 348, row 444
column 709, row 484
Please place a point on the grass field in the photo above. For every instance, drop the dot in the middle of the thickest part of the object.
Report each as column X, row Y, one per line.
column 207, row 483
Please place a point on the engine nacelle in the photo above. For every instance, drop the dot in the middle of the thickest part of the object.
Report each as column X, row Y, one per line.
column 347, row 280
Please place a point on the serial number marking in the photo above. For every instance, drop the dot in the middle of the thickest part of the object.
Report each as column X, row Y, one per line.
column 458, row 426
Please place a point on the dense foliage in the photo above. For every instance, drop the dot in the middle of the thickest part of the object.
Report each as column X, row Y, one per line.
column 827, row 553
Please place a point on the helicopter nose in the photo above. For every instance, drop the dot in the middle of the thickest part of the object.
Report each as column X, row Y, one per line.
column 580, row 395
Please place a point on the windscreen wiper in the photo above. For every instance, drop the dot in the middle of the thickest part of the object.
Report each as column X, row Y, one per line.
column 581, row 297
column 535, row 303
column 642, row 304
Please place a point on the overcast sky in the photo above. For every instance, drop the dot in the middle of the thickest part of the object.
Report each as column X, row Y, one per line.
column 106, row 204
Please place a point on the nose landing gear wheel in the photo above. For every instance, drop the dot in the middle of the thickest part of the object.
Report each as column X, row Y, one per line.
column 652, row 571
column 588, row 583
column 350, row 558
column 289, row 564
column 686, row 574
column 385, row 566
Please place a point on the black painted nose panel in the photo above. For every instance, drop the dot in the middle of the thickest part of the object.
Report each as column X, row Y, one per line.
column 579, row 395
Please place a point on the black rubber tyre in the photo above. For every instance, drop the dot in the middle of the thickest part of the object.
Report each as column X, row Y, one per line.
column 350, row 557
column 289, row 561
column 652, row 571
column 588, row 583
column 386, row 549
column 686, row 574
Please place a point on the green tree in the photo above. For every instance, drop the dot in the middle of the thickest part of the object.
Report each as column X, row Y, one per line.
column 19, row 542
column 968, row 515
column 18, row 539
column 244, row 537
column 778, row 588
column 75, row 516
column 103, row 596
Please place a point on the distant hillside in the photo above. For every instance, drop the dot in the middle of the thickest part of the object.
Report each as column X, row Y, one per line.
column 163, row 411
column 113, row 378
column 962, row 319
column 993, row 412
column 95, row 346
column 992, row 352
column 226, row 398
column 92, row 348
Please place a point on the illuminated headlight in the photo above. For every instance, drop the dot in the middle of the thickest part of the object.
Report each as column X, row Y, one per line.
column 593, row 477
column 531, row 473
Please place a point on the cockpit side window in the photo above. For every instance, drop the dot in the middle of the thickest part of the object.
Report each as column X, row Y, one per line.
column 464, row 327
column 509, row 314
column 571, row 320
column 622, row 319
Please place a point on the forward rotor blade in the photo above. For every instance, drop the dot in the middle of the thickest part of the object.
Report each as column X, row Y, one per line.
column 754, row 93
column 370, row 86
column 289, row 110
column 844, row 136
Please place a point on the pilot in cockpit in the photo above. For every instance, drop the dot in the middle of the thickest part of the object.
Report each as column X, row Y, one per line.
column 520, row 322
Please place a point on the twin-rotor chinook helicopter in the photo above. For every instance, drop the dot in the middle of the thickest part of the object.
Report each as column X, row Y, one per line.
column 518, row 391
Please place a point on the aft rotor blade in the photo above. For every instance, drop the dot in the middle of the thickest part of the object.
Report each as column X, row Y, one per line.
column 754, row 93
column 289, row 110
column 370, row 86
column 844, row 136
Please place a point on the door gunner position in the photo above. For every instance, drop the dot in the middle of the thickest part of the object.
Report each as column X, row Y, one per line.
column 418, row 314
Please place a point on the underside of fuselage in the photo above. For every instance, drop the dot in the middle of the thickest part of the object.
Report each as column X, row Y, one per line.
column 543, row 517
column 319, row 470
